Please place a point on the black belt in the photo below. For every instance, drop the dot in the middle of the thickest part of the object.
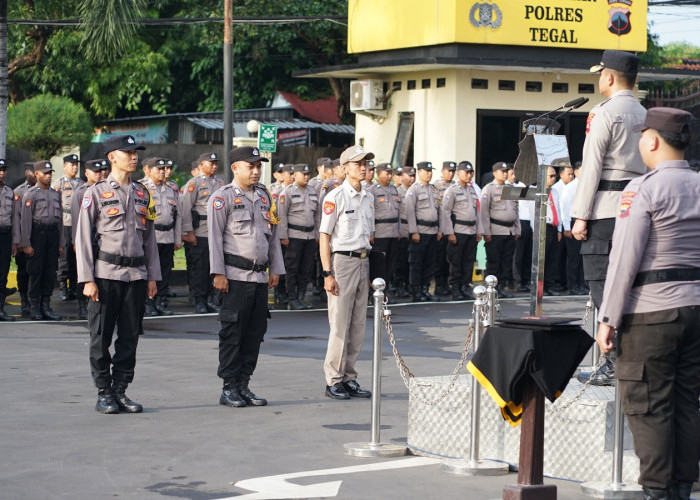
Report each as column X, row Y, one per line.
column 44, row 227
column 5, row 229
column 606, row 185
column 465, row 222
column 120, row 260
column 501, row 223
column 305, row 229
column 426, row 223
column 202, row 217
column 243, row 263
column 164, row 227
column 404, row 221
column 66, row 210
column 359, row 255
column 663, row 275
column 387, row 221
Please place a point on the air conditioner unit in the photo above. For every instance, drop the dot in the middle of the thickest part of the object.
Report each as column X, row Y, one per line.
column 366, row 95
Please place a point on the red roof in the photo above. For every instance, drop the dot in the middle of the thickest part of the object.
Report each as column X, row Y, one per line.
column 320, row 110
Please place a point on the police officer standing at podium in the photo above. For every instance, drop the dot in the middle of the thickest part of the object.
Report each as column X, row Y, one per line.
column 652, row 297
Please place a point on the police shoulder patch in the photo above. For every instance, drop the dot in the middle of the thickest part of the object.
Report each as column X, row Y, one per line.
column 328, row 207
column 281, row 198
column 27, row 203
column 190, row 188
column 87, row 201
column 218, row 203
column 626, row 204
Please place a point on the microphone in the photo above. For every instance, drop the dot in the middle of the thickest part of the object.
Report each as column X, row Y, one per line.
column 576, row 103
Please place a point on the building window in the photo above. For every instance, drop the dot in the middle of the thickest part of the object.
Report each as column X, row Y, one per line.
column 480, row 83
column 440, row 82
column 385, row 87
column 533, row 86
column 410, row 84
column 425, row 83
column 396, row 86
column 560, row 88
column 506, row 84
column 586, row 88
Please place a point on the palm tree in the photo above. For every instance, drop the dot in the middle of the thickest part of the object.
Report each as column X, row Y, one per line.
column 109, row 26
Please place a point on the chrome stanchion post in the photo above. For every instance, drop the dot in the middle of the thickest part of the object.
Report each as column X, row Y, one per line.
column 474, row 466
column 375, row 448
column 491, row 297
column 596, row 349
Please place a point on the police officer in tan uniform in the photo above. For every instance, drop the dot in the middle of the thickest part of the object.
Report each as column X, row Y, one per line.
column 246, row 261
column 168, row 227
column 65, row 186
column 20, row 257
column 119, row 274
column 408, row 177
column 9, row 235
column 422, row 213
column 501, row 225
column 387, row 212
column 298, row 232
column 42, row 240
column 347, row 223
column 193, row 207
column 442, row 268
column 652, row 298
column 461, row 228
column 610, row 159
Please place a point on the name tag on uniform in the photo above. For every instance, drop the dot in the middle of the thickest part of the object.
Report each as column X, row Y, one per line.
column 349, row 211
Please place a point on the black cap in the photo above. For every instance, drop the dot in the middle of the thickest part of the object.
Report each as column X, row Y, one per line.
column 369, row 165
column 194, row 164
column 449, row 165
column 336, row 162
column 665, row 119
column 121, row 143
column 500, row 165
column 96, row 165
column 398, row 170
column 279, row 167
column 384, row 167
column 43, row 166
column 207, row 157
column 288, row 167
column 408, row 170
column 29, row 165
column 466, row 166
column 618, row 60
column 301, row 167
column 246, row 153
column 155, row 162
column 424, row 165
column 324, row 162
column 3, row 164
column 71, row 159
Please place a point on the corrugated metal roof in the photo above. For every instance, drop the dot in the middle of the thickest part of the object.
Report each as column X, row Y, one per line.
column 295, row 123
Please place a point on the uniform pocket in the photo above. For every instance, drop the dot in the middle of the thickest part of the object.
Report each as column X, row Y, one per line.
column 633, row 387
column 93, row 321
column 239, row 221
column 229, row 333
column 113, row 217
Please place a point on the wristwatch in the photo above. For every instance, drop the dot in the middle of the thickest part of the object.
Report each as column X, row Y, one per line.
column 326, row 274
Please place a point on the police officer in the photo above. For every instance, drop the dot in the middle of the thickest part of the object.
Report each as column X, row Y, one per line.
column 168, row 228
column 20, row 257
column 368, row 181
column 347, row 223
column 193, row 207
column 277, row 186
column 652, row 297
column 387, row 212
column 408, row 177
column 42, row 240
column 246, row 260
column 610, row 159
column 422, row 207
column 321, row 165
column 553, row 236
column 93, row 173
column 461, row 228
column 119, row 274
column 501, row 225
column 65, row 186
column 9, row 235
column 298, row 232
column 169, row 166
column 336, row 180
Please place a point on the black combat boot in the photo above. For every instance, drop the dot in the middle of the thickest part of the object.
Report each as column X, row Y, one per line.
column 47, row 312
column 82, row 307
column 467, row 292
column 230, row 396
column 457, row 293
column 656, row 494
column 442, row 289
column 417, row 295
column 200, row 307
column 428, row 296
column 35, row 309
column 680, row 491
column 3, row 315
column 105, row 401
column 302, row 295
column 63, row 291
column 25, row 308
column 295, row 305
column 247, row 395
column 212, row 304
column 161, row 306
column 606, row 373
column 125, row 404
column 149, row 310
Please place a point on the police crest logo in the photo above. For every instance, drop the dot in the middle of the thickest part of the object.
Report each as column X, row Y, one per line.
column 281, row 198
column 107, row 194
column 111, row 211
column 28, row 203
column 238, row 201
column 328, row 207
column 219, row 203
column 190, row 188
column 619, row 21
column 489, row 15
column 87, row 201
column 16, row 197
column 626, row 204
column 263, row 200
column 140, row 194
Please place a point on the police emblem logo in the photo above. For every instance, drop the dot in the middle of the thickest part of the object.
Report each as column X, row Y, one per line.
column 281, row 198
column 213, row 156
column 485, row 15
column 626, row 204
column 190, row 188
column 328, row 207
column 205, row 193
column 87, row 201
column 256, row 152
column 263, row 200
column 16, row 197
column 111, row 211
column 143, row 210
column 382, row 199
column 130, row 140
column 237, row 201
column 140, row 194
column 219, row 203
column 107, row 194
column 619, row 20
column 28, row 203
column 66, row 185
column 588, row 122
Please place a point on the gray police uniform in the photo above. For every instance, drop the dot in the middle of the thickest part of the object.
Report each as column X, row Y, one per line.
column 652, row 295
column 328, row 186
column 299, row 220
column 610, row 159
column 348, row 217
column 126, row 257
column 387, row 224
column 500, row 220
column 316, row 183
column 442, row 268
column 422, row 202
column 9, row 235
column 193, row 207
column 459, row 215
column 243, row 246
column 401, row 261
column 21, row 257
column 67, row 276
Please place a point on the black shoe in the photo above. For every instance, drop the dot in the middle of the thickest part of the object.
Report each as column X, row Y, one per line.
column 82, row 309
column 428, row 296
column 125, row 404
column 3, row 315
column 355, row 391
column 63, row 292
column 25, row 308
column 441, row 291
column 419, row 297
column 502, row 294
column 337, row 391
column 456, row 294
column 46, row 311
column 558, row 287
column 467, row 292
column 296, row 305
column 161, row 306
column 657, row 494
column 200, row 307
column 604, row 376
column 681, row 491
column 35, row 310
column 282, row 298
column 402, row 293
column 231, row 397
column 212, row 307
column 10, row 291
column 248, row 396
column 106, row 402
column 549, row 292
column 170, row 294
column 524, row 289
column 149, row 310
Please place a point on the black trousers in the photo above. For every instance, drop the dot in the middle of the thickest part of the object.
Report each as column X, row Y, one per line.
column 461, row 257
column 42, row 266
column 243, row 318
column 299, row 265
column 200, row 279
column 22, row 274
column 166, row 254
column 421, row 260
column 658, row 370
column 551, row 258
column 400, row 277
column 442, row 268
column 561, row 252
column 595, row 251
column 389, row 247
column 5, row 255
column 574, row 263
column 499, row 257
column 121, row 304
column 523, row 252
column 67, row 270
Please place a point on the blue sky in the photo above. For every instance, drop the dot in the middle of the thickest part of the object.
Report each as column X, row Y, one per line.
column 676, row 24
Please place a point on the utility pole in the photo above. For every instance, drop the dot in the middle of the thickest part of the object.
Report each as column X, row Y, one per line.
column 228, row 88
column 4, row 89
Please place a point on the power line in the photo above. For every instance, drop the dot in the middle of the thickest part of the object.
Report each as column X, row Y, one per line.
column 203, row 20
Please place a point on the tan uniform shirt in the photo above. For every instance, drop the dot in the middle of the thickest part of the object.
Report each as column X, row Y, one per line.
column 348, row 217
column 168, row 224
column 657, row 227
column 241, row 226
column 387, row 211
column 9, row 213
column 422, row 201
column 40, row 206
column 65, row 188
column 298, row 207
column 493, row 207
column 117, row 217
column 460, row 205
column 195, row 197
column 611, row 152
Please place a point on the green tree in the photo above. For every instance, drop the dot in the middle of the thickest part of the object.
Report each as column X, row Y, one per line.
column 46, row 124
